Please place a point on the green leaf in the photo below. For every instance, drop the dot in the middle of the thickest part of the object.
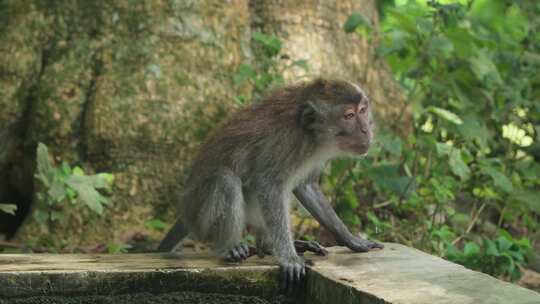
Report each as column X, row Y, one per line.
column 354, row 21
column 403, row 185
column 244, row 73
column 516, row 25
column 524, row 243
column 302, row 63
column 41, row 216
column 471, row 249
column 452, row 253
column 66, row 169
column 380, row 172
column 350, row 196
column 270, row 43
column 57, row 192
column 45, row 170
column 491, row 248
column 445, row 114
column 462, row 40
column 403, row 19
column 154, row 70
column 8, row 208
column 155, row 224
column 78, row 171
column 499, row 179
column 443, row 149
column 387, row 177
column 373, row 219
column 528, row 197
column 391, row 144
column 440, row 46
column 339, row 166
column 484, row 68
column 114, row 248
column 85, row 186
column 103, row 180
column 474, row 129
column 458, row 166
column 503, row 243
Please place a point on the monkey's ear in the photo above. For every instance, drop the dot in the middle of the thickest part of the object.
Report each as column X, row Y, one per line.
column 307, row 115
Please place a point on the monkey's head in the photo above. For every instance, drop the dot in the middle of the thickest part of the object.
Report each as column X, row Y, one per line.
column 337, row 113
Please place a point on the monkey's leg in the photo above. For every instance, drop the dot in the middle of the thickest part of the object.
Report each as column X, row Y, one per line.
column 263, row 240
column 254, row 218
column 312, row 198
column 223, row 219
column 275, row 210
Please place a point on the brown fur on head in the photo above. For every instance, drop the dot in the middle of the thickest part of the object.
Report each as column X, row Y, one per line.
column 339, row 112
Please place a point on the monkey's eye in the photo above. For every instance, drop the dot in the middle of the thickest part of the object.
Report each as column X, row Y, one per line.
column 349, row 115
column 363, row 110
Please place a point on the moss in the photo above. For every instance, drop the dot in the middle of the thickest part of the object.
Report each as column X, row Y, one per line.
column 254, row 283
column 144, row 297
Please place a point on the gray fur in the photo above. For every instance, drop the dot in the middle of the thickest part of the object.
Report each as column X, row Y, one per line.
column 251, row 165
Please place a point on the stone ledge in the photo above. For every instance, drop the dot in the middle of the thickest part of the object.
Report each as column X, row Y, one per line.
column 397, row 274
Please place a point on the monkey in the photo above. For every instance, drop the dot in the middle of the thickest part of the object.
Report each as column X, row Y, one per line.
column 247, row 170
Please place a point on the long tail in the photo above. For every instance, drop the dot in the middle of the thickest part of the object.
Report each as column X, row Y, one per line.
column 173, row 238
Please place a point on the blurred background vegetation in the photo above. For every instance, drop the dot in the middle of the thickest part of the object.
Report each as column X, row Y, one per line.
column 464, row 184
column 455, row 170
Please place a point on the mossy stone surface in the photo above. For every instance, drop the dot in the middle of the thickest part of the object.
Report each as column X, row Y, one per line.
column 396, row 274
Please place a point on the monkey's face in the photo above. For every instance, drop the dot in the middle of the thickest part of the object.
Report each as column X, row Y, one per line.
column 354, row 129
column 338, row 114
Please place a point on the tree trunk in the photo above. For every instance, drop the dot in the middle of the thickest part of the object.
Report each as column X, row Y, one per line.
column 132, row 87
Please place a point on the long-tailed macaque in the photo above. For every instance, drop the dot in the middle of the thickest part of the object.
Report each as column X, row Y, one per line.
column 246, row 171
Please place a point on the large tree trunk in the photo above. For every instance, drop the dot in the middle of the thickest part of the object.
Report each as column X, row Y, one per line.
column 131, row 87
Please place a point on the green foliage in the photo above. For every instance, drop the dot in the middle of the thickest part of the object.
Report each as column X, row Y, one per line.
column 65, row 186
column 8, row 208
column 499, row 257
column 470, row 73
column 358, row 23
column 155, row 224
column 114, row 248
column 268, row 69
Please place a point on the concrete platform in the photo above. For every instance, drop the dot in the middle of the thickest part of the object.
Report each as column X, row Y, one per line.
column 397, row 274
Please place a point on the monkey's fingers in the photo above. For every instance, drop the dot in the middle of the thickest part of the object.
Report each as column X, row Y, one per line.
column 311, row 246
column 238, row 253
column 362, row 245
column 291, row 275
column 374, row 245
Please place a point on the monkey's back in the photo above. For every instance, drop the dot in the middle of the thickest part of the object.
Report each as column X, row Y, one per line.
column 255, row 144
column 253, row 139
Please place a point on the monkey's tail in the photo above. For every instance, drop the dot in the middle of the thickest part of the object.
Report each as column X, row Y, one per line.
column 173, row 238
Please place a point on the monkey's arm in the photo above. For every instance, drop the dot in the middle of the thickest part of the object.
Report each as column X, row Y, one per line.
column 311, row 197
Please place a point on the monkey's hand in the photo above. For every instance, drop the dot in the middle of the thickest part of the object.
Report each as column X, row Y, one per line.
column 359, row 244
column 292, row 272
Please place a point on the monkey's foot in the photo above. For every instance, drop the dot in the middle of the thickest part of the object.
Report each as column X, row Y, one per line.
column 238, row 253
column 311, row 246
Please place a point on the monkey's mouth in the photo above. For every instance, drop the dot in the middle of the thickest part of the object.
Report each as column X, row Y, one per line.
column 355, row 147
column 360, row 149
